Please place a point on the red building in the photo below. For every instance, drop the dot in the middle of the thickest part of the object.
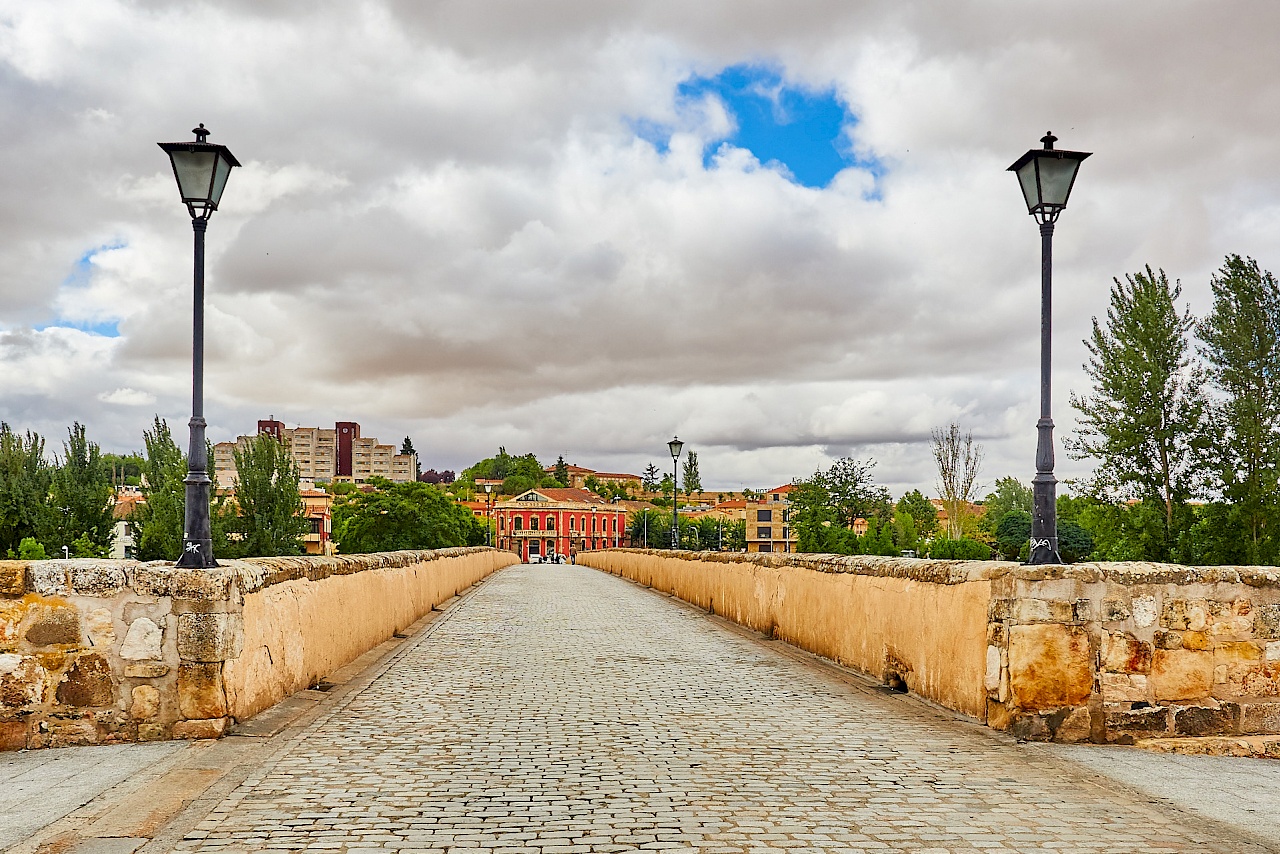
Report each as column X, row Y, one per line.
column 544, row 522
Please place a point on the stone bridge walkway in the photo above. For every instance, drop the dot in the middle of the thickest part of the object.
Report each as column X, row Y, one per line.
column 558, row 709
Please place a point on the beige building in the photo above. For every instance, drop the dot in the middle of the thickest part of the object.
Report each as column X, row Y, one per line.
column 325, row 454
column 769, row 522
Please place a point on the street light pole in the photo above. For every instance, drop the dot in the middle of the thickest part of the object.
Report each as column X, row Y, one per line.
column 1047, row 176
column 488, row 503
column 674, row 446
column 201, row 169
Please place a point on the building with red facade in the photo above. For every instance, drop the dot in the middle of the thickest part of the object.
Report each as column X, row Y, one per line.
column 542, row 522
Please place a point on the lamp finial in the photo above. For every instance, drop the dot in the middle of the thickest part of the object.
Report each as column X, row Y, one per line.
column 1048, row 139
column 200, row 132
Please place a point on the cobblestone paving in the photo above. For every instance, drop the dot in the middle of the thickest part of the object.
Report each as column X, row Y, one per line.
column 564, row 710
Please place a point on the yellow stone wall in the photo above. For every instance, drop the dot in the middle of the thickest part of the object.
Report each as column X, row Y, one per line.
column 1102, row 652
column 923, row 623
column 103, row 651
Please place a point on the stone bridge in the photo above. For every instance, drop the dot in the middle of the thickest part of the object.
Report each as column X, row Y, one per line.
column 561, row 709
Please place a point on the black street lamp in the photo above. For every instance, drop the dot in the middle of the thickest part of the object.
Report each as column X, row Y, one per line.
column 1046, row 175
column 201, row 169
column 674, row 446
column 488, row 500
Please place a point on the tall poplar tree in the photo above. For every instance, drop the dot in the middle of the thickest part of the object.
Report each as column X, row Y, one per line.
column 691, row 476
column 24, row 488
column 1241, row 346
column 270, row 508
column 81, row 497
column 1144, row 421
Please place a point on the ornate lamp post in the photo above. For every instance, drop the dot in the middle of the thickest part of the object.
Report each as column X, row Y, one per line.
column 488, row 502
column 1046, row 175
column 675, row 445
column 201, row 169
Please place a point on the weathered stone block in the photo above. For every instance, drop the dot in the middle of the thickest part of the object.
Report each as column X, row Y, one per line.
column 1203, row 720
column 1266, row 621
column 93, row 578
column 992, row 679
column 1115, row 610
column 1273, row 651
column 1259, row 718
column 200, row 729
column 999, row 715
column 145, row 703
column 1032, row 611
column 1125, row 687
column 1167, row 640
column 53, row 624
column 1144, row 611
column 1125, row 725
column 200, row 690
column 1181, row 674
column 161, row 579
column 13, row 578
column 1000, row 610
column 1050, row 666
column 1030, row 728
column 210, row 637
column 1082, row 610
column 144, row 640
column 13, row 735
column 146, row 670
column 100, row 627
column 48, row 578
column 71, row 733
column 1124, row 653
column 1074, row 728
column 24, row 685
column 1195, row 640
column 88, row 683
column 152, row 732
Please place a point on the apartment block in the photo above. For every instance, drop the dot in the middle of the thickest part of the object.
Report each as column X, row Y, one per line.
column 769, row 522
column 324, row 454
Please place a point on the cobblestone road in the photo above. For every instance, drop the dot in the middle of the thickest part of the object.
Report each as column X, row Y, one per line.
column 563, row 710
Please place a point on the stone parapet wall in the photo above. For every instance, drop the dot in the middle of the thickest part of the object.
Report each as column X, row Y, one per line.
column 99, row 651
column 1103, row 652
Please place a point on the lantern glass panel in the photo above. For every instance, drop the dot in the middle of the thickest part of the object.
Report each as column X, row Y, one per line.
column 220, row 174
column 675, row 445
column 195, row 172
column 1027, row 178
column 1056, row 175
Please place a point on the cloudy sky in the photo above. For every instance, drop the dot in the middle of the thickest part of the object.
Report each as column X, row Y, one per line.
column 781, row 230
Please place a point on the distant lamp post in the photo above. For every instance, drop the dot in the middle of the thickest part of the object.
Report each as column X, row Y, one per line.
column 488, row 503
column 675, row 445
column 201, row 169
column 1046, row 175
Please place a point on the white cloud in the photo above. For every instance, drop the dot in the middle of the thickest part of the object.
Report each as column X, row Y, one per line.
column 446, row 226
column 128, row 397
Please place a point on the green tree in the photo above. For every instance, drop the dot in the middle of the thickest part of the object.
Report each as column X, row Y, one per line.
column 1144, row 421
column 922, row 511
column 906, row 535
column 81, row 495
column 505, row 466
column 1013, row 532
column 592, row 484
column 1010, row 494
column 25, row 476
column 649, row 479
column 126, row 469
column 944, row 548
column 825, row 506
column 1074, row 542
column 31, row 549
column 691, row 477
column 398, row 516
column 562, row 471
column 158, row 521
column 271, row 518
column 1241, row 346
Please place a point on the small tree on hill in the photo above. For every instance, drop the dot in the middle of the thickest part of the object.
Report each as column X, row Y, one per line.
column 691, row 477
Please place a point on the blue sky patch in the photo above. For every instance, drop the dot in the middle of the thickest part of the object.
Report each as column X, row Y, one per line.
column 797, row 128
column 79, row 279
